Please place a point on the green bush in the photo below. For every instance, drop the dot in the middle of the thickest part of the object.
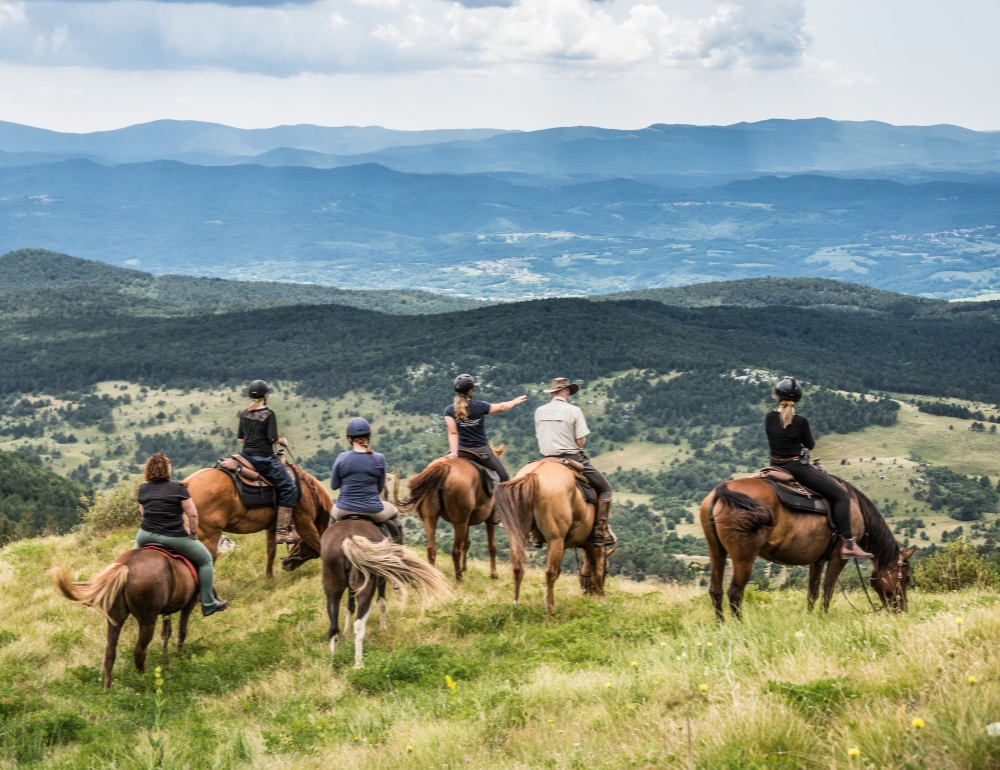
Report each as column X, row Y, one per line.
column 118, row 508
column 953, row 568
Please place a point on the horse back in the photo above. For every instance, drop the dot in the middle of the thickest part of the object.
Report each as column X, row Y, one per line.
column 157, row 584
column 560, row 507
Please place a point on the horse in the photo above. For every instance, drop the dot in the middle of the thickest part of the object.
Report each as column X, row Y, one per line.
column 145, row 583
column 451, row 490
column 544, row 497
column 221, row 510
column 357, row 557
column 744, row 519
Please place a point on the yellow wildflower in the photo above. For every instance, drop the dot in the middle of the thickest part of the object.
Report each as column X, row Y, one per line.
column 709, row 644
column 972, row 680
column 550, row 721
column 608, row 684
column 958, row 621
column 703, row 687
column 409, row 748
column 918, row 723
column 853, row 752
column 635, row 664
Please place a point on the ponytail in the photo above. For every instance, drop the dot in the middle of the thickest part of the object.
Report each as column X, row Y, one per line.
column 363, row 441
column 257, row 403
column 462, row 405
column 786, row 410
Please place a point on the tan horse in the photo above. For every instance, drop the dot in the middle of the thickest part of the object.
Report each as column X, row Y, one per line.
column 220, row 510
column 144, row 583
column 451, row 490
column 544, row 498
column 744, row 519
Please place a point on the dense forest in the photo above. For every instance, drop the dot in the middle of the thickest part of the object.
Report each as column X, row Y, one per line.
column 34, row 500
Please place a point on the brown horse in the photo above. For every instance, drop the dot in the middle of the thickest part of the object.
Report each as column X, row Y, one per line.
column 144, row 583
column 221, row 510
column 544, row 498
column 451, row 490
column 358, row 558
column 744, row 519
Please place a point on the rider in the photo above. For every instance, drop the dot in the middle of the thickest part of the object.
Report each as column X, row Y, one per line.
column 466, row 421
column 164, row 504
column 359, row 474
column 562, row 432
column 258, row 434
column 790, row 440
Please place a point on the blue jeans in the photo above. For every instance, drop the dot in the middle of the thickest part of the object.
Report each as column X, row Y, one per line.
column 272, row 469
column 195, row 552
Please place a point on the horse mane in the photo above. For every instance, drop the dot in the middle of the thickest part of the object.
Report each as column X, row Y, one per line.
column 423, row 485
column 878, row 538
column 748, row 515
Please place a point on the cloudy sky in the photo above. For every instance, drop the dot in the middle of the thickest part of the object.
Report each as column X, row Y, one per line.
column 84, row 65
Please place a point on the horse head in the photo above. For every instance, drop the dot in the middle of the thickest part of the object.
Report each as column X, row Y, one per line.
column 299, row 554
column 891, row 581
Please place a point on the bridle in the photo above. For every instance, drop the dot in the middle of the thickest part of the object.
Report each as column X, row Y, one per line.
column 902, row 571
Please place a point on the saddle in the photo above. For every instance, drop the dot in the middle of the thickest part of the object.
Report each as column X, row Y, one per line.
column 173, row 555
column 488, row 477
column 253, row 489
column 387, row 527
column 589, row 493
column 793, row 495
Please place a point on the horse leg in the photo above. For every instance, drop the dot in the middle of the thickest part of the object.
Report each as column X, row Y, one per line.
column 457, row 546
column 111, row 652
column 352, row 603
column 594, row 555
column 717, row 556
column 815, row 573
column 552, row 570
column 742, row 570
column 333, row 597
column 383, row 606
column 272, row 550
column 491, row 545
column 466, row 547
column 833, row 569
column 364, row 610
column 182, row 627
column 165, row 634
column 430, row 527
column 147, row 627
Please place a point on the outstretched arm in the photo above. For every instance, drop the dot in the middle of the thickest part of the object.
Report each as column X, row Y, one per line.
column 507, row 405
column 452, row 437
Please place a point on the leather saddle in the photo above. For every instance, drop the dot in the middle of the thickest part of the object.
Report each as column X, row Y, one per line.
column 589, row 494
column 254, row 490
column 386, row 527
column 792, row 494
column 488, row 477
column 166, row 549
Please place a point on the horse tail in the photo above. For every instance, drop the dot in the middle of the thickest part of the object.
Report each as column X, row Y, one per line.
column 423, row 486
column 746, row 514
column 515, row 503
column 400, row 566
column 100, row 594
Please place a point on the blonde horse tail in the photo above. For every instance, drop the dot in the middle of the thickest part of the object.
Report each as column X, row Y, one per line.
column 100, row 594
column 515, row 503
column 423, row 485
column 400, row 566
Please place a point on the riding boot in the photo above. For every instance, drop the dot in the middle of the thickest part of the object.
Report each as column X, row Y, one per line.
column 852, row 551
column 602, row 534
column 283, row 535
column 394, row 530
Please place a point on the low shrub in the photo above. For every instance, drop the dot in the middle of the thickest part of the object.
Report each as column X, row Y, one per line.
column 118, row 508
column 953, row 568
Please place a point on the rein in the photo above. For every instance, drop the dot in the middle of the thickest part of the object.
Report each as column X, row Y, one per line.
column 865, row 586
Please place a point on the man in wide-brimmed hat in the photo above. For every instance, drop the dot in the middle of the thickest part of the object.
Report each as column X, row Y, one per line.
column 562, row 431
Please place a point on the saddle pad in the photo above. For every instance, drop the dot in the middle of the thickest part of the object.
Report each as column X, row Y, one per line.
column 174, row 555
column 251, row 495
column 791, row 499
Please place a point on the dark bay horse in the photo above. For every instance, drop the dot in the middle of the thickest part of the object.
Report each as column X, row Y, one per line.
column 544, row 497
column 358, row 558
column 221, row 510
column 451, row 490
column 144, row 583
column 744, row 519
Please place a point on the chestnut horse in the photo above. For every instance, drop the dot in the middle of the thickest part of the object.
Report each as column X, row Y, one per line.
column 144, row 583
column 451, row 490
column 358, row 558
column 221, row 510
column 744, row 519
column 544, row 497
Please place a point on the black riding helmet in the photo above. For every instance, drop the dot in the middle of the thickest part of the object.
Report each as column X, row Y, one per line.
column 464, row 383
column 258, row 389
column 358, row 427
column 788, row 390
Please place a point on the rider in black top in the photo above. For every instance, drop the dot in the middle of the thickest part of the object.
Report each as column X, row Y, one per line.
column 790, row 439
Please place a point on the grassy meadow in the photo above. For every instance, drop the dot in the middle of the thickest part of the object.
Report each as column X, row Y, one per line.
column 476, row 682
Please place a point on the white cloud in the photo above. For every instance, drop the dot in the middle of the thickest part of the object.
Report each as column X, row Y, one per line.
column 12, row 13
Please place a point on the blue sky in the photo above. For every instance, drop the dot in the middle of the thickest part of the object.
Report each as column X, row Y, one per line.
column 83, row 66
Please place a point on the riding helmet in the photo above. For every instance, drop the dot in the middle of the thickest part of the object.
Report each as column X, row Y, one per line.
column 358, row 427
column 258, row 389
column 464, row 383
column 788, row 390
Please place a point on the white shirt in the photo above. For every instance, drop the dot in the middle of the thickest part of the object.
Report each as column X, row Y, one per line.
column 558, row 425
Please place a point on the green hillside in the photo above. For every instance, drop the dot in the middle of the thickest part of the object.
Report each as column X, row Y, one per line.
column 34, row 499
column 37, row 269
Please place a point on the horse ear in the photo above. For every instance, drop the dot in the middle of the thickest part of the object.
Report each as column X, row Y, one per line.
column 908, row 554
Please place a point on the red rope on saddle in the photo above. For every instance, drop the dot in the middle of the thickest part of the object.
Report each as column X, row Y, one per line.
column 190, row 566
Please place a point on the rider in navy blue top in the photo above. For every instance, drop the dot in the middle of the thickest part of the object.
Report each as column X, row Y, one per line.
column 471, row 430
column 360, row 477
column 466, row 421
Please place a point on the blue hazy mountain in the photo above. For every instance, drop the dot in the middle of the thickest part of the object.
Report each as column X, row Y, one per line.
column 367, row 226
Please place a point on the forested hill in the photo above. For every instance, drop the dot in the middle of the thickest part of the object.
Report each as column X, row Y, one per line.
column 33, row 269
column 34, row 500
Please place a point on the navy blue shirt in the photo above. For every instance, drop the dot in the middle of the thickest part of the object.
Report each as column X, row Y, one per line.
column 360, row 477
column 471, row 430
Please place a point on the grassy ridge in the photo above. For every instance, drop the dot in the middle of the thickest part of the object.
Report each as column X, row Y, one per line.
column 607, row 685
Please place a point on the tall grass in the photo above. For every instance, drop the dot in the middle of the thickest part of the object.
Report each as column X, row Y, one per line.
column 609, row 685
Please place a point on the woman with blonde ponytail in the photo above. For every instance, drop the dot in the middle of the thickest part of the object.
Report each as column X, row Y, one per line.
column 465, row 418
column 790, row 440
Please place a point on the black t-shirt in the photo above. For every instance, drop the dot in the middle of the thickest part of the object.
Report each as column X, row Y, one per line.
column 787, row 442
column 471, row 430
column 259, row 431
column 162, row 506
